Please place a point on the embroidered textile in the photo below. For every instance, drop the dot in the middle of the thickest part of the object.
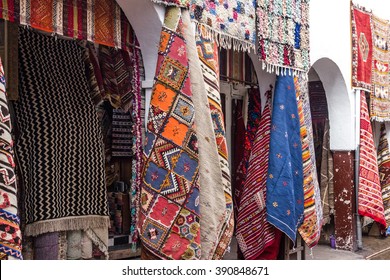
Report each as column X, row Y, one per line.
column 361, row 48
column 169, row 217
column 212, row 196
column 370, row 202
column 100, row 21
column 380, row 98
column 208, row 55
column 176, row 3
column 10, row 235
column 327, row 187
column 384, row 172
column 285, row 175
column 309, row 230
column 66, row 165
column 283, row 34
column 232, row 22
column 254, row 233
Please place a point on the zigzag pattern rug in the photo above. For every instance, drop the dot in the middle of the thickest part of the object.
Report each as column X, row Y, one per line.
column 169, row 217
column 10, row 235
column 60, row 148
column 370, row 203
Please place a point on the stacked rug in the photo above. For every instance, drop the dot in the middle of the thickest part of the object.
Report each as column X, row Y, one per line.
column 10, row 234
column 285, row 198
column 60, row 148
column 370, row 202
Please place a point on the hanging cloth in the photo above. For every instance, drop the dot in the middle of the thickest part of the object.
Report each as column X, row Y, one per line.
column 384, row 171
column 285, row 175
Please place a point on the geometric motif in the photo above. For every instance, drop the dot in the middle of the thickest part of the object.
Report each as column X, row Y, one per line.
column 164, row 211
column 153, row 233
column 176, row 189
column 155, row 119
column 165, row 154
column 155, row 176
column 364, row 48
column 191, row 144
column 172, row 73
column 183, row 110
column 186, row 167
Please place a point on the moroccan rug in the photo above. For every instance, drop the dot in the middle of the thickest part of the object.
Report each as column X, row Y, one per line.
column 370, row 202
column 60, row 148
column 380, row 98
column 100, row 21
column 122, row 134
column 283, row 34
column 309, row 230
column 361, row 48
column 212, row 196
column 252, row 126
column 51, row 246
column 285, row 200
column 176, row 3
column 253, row 232
column 169, row 218
column 10, row 234
column 231, row 22
column 208, row 56
column 327, row 185
column 384, row 171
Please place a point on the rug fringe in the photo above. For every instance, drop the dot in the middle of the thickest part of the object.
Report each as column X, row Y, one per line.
column 224, row 40
column 65, row 224
column 282, row 70
column 97, row 241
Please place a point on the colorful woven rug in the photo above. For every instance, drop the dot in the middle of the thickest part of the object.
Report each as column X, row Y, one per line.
column 361, row 48
column 176, row 3
column 212, row 196
column 283, row 34
column 231, row 22
column 327, row 185
column 100, row 21
column 65, row 165
column 380, row 96
column 285, row 200
column 384, row 172
column 10, row 235
column 309, row 230
column 208, row 56
column 370, row 202
column 253, row 232
column 169, row 218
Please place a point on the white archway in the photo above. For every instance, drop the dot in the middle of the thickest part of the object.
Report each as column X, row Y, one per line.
column 340, row 105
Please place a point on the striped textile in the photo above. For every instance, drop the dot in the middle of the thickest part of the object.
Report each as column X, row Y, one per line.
column 285, row 199
column 370, row 202
column 208, row 55
column 253, row 231
column 384, row 171
column 10, row 234
column 100, row 21
column 309, row 229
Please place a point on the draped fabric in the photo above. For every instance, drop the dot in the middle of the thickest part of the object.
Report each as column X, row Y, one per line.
column 208, row 56
column 212, row 196
column 100, row 21
column 309, row 230
column 10, row 234
column 285, row 200
column 384, row 172
column 370, row 202
column 327, row 185
column 169, row 199
column 254, row 234
column 361, row 48
column 66, row 165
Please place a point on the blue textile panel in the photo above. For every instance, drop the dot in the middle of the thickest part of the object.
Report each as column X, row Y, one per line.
column 285, row 201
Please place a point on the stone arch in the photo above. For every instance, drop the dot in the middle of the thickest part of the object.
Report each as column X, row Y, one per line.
column 340, row 105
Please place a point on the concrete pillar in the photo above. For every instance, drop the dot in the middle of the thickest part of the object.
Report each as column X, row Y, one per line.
column 344, row 200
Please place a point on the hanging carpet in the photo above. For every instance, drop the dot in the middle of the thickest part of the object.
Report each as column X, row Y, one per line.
column 233, row 22
column 380, row 98
column 10, row 235
column 285, row 200
column 208, row 56
column 283, row 34
column 60, row 148
column 370, row 202
column 361, row 48
column 384, row 172
column 169, row 218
